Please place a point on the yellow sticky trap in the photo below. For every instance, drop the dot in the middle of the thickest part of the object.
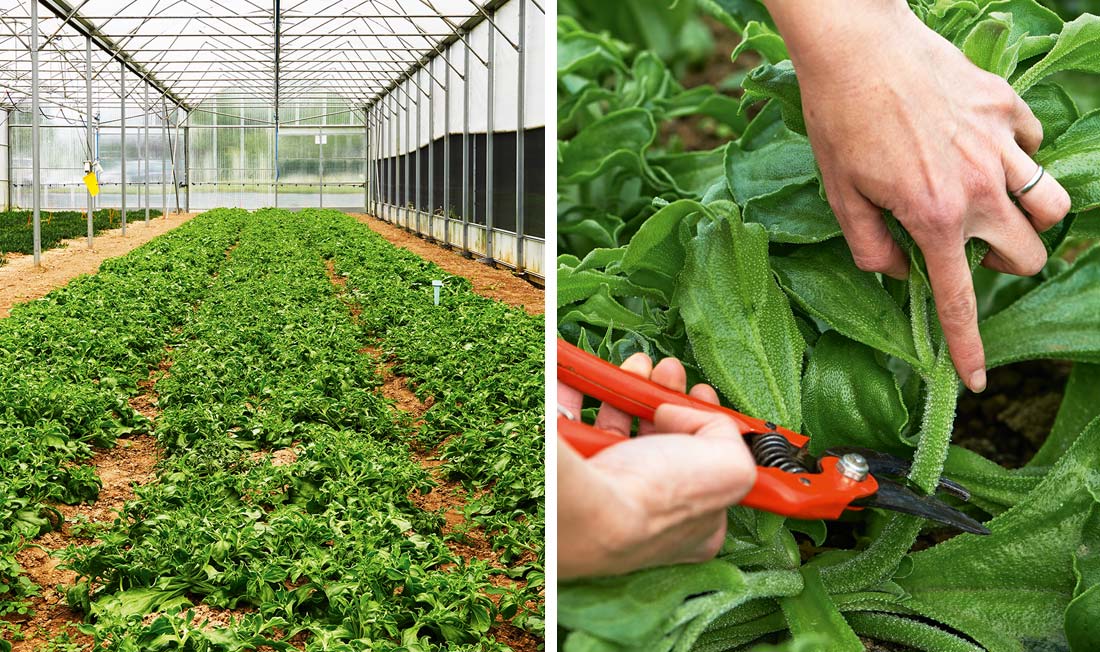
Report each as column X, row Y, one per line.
column 92, row 183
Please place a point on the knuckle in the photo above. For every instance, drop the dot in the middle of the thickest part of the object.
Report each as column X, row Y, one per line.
column 958, row 307
column 879, row 259
column 1034, row 263
column 1060, row 205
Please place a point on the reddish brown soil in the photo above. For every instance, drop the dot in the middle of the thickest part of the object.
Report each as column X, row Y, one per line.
column 20, row 281
column 448, row 496
column 499, row 284
column 130, row 463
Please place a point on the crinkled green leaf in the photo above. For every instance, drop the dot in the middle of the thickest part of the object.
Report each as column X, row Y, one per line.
column 763, row 39
column 1016, row 583
column 990, row 47
column 849, row 399
column 692, row 172
column 632, row 609
column 784, row 160
column 1079, row 406
column 908, row 632
column 1077, row 48
column 794, row 214
column 813, row 612
column 1054, row 107
column 740, row 325
column 617, row 140
column 1056, row 320
column 655, row 255
column 1073, row 159
column 588, row 54
column 777, row 82
column 992, row 487
column 825, row 282
column 1082, row 617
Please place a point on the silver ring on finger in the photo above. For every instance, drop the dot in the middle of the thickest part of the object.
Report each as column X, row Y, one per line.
column 1031, row 183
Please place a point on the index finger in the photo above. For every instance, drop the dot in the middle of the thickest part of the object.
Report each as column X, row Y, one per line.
column 957, row 307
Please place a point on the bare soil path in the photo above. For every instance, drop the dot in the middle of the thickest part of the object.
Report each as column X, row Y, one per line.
column 20, row 281
column 499, row 284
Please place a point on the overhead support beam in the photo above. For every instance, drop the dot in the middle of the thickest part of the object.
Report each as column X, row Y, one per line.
column 457, row 35
column 65, row 11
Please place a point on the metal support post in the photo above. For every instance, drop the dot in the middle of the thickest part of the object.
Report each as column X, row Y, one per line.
column 321, row 161
column 408, row 157
column 91, row 133
column 490, row 73
column 187, row 165
column 521, row 53
column 146, row 179
column 122, row 136
column 431, row 153
column 447, row 152
column 466, row 148
column 419, row 186
column 164, row 160
column 366, row 159
column 36, row 141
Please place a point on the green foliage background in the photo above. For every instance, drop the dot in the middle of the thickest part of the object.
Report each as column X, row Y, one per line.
column 732, row 260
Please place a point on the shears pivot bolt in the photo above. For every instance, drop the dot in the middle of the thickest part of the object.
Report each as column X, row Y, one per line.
column 853, row 466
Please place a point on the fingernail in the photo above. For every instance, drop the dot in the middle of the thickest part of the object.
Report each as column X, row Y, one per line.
column 977, row 381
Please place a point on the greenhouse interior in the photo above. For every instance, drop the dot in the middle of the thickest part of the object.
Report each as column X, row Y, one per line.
column 271, row 325
column 426, row 114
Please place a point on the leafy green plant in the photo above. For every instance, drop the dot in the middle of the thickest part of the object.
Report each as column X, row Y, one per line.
column 17, row 231
column 731, row 260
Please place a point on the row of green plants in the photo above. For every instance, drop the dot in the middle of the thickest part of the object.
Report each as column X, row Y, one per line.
column 328, row 551
column 68, row 364
column 17, row 227
column 481, row 364
column 732, row 260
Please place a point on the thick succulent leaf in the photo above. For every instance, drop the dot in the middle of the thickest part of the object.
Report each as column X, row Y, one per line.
column 762, row 39
column 1054, row 107
column 1057, row 320
column 1087, row 225
column 739, row 322
column 603, row 310
column 1083, row 614
column 631, row 609
column 794, row 214
column 1073, row 159
column 1078, row 48
column 777, row 82
column 617, row 140
column 574, row 286
column 825, row 282
column 638, row 610
column 813, row 612
column 992, row 487
column 736, row 14
column 655, row 255
column 849, row 399
column 908, row 632
column 589, row 55
column 1016, row 583
column 692, row 172
column 763, row 129
column 990, row 47
column 782, row 161
column 1079, row 407
column 704, row 100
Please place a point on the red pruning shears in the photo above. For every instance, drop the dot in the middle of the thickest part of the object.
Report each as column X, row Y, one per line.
column 789, row 480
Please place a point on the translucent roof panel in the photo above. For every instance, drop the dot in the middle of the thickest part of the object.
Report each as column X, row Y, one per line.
column 199, row 49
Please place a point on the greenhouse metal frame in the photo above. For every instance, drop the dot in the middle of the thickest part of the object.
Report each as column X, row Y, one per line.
column 434, row 110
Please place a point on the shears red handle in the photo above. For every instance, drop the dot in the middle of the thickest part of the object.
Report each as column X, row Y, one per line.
column 824, row 494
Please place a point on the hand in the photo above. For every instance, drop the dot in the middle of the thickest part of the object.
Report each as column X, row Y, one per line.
column 900, row 120
column 652, row 500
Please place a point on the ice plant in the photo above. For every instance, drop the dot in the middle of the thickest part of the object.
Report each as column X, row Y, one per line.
column 731, row 260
